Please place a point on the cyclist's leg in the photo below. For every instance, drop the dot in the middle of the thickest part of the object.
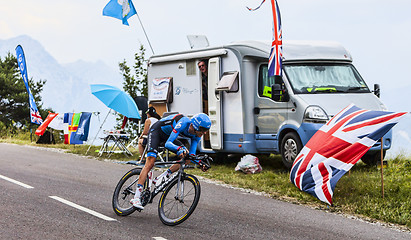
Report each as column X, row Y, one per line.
column 147, row 167
column 152, row 146
column 153, row 142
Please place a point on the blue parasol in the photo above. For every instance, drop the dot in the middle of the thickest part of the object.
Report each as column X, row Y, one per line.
column 116, row 99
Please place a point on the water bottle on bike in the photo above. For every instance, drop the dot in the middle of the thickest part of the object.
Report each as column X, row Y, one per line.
column 160, row 179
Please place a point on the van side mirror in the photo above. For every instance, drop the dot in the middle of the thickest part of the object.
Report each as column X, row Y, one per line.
column 377, row 90
column 278, row 94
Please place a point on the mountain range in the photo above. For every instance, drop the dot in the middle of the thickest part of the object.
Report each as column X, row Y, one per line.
column 68, row 85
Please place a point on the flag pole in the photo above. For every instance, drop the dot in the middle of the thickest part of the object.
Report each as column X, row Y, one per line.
column 101, row 126
column 148, row 40
column 382, row 171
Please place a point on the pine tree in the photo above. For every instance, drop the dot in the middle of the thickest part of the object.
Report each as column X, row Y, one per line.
column 14, row 99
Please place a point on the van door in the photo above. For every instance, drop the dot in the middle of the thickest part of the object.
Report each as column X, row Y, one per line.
column 269, row 114
column 214, row 104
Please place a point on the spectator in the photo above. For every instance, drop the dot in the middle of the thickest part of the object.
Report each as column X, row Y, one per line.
column 202, row 65
column 152, row 117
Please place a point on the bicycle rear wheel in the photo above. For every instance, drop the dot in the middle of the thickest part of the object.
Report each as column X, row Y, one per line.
column 178, row 201
column 124, row 192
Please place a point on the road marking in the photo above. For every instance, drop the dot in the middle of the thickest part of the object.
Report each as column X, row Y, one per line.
column 159, row 238
column 94, row 213
column 16, row 182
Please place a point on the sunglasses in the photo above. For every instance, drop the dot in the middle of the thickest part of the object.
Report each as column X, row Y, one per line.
column 200, row 66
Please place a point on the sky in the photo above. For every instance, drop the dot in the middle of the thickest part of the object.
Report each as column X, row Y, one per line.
column 377, row 33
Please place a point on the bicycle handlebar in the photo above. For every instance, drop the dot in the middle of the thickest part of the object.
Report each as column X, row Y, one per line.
column 204, row 159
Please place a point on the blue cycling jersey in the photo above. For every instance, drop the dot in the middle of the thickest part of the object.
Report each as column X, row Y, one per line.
column 173, row 126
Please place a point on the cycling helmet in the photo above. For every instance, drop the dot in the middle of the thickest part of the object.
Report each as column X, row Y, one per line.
column 201, row 122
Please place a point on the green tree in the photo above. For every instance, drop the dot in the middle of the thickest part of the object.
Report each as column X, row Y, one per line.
column 14, row 99
column 134, row 84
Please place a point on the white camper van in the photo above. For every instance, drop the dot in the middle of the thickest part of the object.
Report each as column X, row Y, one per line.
column 318, row 81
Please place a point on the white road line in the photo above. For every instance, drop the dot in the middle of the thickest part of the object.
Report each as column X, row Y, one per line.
column 94, row 213
column 159, row 238
column 16, row 182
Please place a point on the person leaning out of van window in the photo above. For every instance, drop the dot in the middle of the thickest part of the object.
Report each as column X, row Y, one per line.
column 152, row 117
column 202, row 66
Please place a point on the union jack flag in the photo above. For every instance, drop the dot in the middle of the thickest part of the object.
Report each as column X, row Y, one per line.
column 276, row 54
column 336, row 147
column 35, row 116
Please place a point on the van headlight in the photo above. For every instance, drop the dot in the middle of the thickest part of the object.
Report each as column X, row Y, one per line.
column 315, row 114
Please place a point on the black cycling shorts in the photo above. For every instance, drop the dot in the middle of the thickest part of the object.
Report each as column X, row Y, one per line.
column 157, row 138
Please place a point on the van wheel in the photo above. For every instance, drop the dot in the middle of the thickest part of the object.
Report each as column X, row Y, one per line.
column 290, row 147
column 373, row 158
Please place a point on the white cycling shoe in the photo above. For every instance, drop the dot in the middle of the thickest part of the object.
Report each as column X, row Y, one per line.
column 137, row 203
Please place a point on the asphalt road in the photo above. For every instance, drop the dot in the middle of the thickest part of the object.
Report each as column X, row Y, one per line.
column 51, row 187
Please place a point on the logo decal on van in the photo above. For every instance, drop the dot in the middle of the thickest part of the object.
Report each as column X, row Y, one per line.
column 178, row 91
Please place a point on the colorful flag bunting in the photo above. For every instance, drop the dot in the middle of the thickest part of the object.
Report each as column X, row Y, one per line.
column 84, row 126
column 66, row 123
column 77, row 127
column 120, row 9
column 57, row 122
column 336, row 147
column 42, row 128
column 73, row 127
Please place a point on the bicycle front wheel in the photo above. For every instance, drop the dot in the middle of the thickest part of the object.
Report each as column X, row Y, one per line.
column 124, row 192
column 179, row 200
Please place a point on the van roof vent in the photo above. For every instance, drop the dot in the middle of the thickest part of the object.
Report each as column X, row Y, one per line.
column 197, row 41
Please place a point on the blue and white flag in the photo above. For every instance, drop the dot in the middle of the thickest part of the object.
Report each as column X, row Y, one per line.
column 120, row 9
column 21, row 61
column 84, row 126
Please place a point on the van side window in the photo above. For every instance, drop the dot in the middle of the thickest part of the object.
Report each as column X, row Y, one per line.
column 191, row 67
column 265, row 82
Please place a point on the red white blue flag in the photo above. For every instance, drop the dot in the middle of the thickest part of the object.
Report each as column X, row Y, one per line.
column 253, row 9
column 276, row 52
column 336, row 147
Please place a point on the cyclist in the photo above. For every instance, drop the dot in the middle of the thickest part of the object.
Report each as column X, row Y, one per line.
column 166, row 130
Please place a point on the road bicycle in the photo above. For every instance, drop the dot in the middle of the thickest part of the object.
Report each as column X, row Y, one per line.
column 180, row 193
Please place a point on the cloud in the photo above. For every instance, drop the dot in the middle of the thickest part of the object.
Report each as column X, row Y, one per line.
column 405, row 136
column 5, row 30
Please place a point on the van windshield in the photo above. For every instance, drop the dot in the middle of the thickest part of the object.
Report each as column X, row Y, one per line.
column 325, row 78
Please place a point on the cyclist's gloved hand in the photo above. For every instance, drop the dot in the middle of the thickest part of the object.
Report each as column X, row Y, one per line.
column 182, row 152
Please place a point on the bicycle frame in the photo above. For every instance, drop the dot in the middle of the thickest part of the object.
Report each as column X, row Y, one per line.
column 156, row 190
